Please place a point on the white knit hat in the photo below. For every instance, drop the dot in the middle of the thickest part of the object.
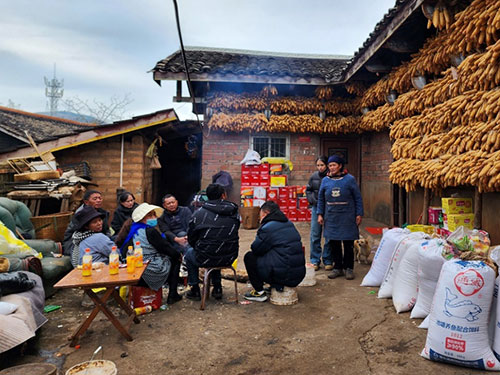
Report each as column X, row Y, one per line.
column 143, row 209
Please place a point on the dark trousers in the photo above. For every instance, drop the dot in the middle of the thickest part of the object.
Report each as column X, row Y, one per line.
column 345, row 260
column 193, row 268
column 253, row 274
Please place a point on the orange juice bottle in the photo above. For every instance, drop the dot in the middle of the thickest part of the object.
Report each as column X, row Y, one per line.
column 87, row 263
column 130, row 260
column 138, row 254
column 114, row 261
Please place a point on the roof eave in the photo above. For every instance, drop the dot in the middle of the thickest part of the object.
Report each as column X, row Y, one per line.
column 394, row 24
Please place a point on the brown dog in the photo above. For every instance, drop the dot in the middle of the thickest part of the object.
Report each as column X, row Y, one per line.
column 362, row 250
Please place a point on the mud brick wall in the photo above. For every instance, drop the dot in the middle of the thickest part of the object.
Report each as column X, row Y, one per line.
column 376, row 188
column 104, row 159
column 224, row 151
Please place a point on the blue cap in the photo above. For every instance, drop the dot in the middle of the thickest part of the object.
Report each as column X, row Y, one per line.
column 336, row 159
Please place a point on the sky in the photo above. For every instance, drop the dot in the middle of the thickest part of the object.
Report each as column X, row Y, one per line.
column 106, row 48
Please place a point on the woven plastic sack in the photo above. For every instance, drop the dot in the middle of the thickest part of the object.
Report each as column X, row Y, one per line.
column 430, row 261
column 405, row 290
column 382, row 257
column 458, row 322
column 385, row 290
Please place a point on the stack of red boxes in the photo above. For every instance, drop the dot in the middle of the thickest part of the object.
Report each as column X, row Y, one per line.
column 256, row 189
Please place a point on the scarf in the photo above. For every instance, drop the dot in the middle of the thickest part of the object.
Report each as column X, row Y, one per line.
column 78, row 237
column 133, row 231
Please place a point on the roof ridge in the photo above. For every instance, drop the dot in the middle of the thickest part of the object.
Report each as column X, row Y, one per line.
column 60, row 119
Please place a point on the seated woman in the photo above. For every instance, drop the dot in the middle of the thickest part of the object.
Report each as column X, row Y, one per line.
column 89, row 234
column 160, row 253
column 126, row 204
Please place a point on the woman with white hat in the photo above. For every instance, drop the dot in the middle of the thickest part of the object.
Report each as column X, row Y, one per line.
column 162, row 257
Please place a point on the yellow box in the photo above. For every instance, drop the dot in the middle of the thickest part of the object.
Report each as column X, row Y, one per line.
column 429, row 229
column 278, row 181
column 456, row 205
column 456, row 220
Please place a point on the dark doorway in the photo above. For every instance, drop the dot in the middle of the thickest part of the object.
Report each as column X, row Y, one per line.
column 399, row 198
column 348, row 148
column 180, row 158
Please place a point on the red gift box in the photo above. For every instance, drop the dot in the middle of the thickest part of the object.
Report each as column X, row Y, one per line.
column 264, row 168
column 246, row 180
column 283, row 203
column 255, row 178
column 284, row 192
column 141, row 297
column 272, row 195
column 248, row 169
column 264, row 180
column 302, row 215
column 292, row 204
column 293, row 214
column 303, row 203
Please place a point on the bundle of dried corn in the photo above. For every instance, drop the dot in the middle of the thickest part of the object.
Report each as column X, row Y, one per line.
column 238, row 122
column 246, row 102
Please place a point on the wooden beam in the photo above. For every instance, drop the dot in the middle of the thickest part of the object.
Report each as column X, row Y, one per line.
column 187, row 99
column 207, row 77
column 425, row 214
column 179, row 91
column 376, row 44
column 478, row 208
column 401, row 219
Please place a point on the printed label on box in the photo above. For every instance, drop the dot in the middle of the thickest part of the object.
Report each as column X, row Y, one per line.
column 457, row 205
column 259, row 192
column 246, row 192
column 277, row 181
column 258, row 202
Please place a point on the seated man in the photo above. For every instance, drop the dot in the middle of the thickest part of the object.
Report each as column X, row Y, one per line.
column 276, row 256
column 174, row 221
column 91, row 198
column 213, row 235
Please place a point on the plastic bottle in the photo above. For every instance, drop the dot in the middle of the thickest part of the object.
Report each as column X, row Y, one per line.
column 143, row 310
column 138, row 254
column 114, row 262
column 87, row 263
column 130, row 260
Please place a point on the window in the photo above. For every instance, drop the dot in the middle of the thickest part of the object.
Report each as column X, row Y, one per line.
column 270, row 146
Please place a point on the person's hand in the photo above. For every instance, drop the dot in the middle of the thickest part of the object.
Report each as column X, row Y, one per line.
column 320, row 219
column 181, row 240
column 358, row 220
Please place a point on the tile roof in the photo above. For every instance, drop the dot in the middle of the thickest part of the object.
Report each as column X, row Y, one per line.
column 265, row 66
column 41, row 127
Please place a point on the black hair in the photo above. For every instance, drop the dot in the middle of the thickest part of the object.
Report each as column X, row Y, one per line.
column 269, row 206
column 166, row 196
column 88, row 193
column 215, row 191
column 323, row 158
column 123, row 196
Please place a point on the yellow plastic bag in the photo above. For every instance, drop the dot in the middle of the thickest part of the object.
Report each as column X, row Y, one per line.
column 271, row 160
column 10, row 244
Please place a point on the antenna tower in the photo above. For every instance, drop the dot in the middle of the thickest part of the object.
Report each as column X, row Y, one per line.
column 54, row 91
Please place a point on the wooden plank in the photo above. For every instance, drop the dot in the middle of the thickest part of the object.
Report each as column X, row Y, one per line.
column 478, row 208
column 376, row 44
column 401, row 219
column 425, row 214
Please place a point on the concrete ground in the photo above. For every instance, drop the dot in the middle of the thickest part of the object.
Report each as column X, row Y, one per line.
column 337, row 327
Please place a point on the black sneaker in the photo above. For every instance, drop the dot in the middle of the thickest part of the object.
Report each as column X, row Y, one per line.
column 256, row 296
column 217, row 292
column 173, row 298
column 194, row 293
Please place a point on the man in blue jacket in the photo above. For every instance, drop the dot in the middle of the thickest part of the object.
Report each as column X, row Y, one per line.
column 277, row 256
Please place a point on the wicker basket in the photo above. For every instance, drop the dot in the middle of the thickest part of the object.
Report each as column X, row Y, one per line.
column 52, row 226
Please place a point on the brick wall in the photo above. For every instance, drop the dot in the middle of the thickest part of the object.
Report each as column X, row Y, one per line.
column 376, row 187
column 226, row 150
column 104, row 159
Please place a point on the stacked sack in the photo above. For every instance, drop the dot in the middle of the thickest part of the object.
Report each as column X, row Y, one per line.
column 449, row 282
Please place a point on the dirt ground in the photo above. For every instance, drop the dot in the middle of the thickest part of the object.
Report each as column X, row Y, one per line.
column 337, row 327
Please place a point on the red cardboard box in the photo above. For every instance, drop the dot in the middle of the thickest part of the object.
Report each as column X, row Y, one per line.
column 272, row 194
column 246, row 192
column 434, row 213
column 285, row 211
column 246, row 180
column 249, row 169
column 264, row 180
column 276, row 169
column 293, row 214
column 292, row 192
column 292, row 204
column 144, row 296
column 301, row 191
column 283, row 203
column 308, row 213
column 302, row 214
column 303, row 203
column 264, row 168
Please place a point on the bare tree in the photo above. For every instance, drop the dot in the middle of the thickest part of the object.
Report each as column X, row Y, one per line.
column 103, row 113
column 11, row 104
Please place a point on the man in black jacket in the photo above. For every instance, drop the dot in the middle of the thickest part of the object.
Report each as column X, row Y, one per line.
column 277, row 256
column 213, row 235
column 174, row 221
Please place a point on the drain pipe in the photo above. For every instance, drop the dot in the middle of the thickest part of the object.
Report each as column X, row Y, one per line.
column 121, row 161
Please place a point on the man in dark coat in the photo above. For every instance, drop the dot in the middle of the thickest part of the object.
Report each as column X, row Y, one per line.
column 213, row 235
column 91, row 198
column 174, row 221
column 277, row 256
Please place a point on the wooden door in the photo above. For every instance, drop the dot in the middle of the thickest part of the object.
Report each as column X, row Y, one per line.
column 348, row 148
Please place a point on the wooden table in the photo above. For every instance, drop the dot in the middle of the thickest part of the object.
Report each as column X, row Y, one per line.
column 102, row 279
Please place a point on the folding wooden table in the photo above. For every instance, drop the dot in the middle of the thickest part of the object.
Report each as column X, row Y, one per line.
column 102, row 279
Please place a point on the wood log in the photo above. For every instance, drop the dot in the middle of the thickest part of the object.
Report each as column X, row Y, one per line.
column 478, row 208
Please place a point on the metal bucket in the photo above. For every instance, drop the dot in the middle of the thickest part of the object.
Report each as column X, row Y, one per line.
column 98, row 367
